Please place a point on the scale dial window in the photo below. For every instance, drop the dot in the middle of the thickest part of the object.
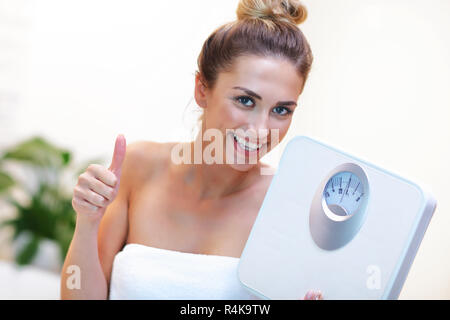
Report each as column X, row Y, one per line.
column 343, row 193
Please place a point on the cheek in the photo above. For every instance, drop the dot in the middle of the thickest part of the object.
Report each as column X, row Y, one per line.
column 235, row 117
column 282, row 128
column 229, row 116
column 230, row 110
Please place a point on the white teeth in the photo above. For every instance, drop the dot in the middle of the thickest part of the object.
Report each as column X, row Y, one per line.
column 247, row 145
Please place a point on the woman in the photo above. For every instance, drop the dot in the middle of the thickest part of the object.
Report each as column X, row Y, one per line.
column 147, row 214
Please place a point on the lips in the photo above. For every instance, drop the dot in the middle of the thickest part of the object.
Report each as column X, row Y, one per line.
column 247, row 145
column 242, row 148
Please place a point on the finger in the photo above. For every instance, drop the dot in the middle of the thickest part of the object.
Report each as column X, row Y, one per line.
column 99, row 172
column 119, row 155
column 84, row 196
column 95, row 199
column 317, row 295
column 85, row 206
column 313, row 295
column 102, row 189
column 308, row 295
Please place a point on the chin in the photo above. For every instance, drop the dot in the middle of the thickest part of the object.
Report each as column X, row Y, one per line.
column 242, row 167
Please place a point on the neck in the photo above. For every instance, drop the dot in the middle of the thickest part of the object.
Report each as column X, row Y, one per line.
column 214, row 181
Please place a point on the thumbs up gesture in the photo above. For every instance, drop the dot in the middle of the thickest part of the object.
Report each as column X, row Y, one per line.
column 98, row 186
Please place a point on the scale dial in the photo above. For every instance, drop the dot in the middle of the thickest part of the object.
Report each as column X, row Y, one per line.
column 343, row 193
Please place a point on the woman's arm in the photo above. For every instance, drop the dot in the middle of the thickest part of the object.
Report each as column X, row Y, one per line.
column 101, row 202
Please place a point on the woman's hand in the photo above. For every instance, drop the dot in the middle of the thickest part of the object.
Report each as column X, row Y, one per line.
column 313, row 295
column 98, row 186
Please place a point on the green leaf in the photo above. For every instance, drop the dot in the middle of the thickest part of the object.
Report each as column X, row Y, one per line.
column 5, row 181
column 39, row 152
column 18, row 223
column 28, row 252
column 14, row 224
column 48, row 212
column 66, row 157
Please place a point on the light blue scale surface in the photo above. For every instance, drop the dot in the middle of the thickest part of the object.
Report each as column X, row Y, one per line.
column 282, row 261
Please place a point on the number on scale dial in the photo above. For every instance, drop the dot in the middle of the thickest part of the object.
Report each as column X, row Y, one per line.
column 343, row 193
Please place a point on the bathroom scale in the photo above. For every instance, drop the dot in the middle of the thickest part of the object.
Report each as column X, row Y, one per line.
column 335, row 223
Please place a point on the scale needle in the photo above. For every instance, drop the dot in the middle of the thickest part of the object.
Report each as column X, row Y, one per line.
column 346, row 189
column 356, row 188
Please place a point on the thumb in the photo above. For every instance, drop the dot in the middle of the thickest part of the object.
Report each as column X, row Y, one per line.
column 118, row 156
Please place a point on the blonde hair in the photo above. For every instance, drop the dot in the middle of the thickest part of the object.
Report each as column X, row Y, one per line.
column 263, row 28
column 286, row 10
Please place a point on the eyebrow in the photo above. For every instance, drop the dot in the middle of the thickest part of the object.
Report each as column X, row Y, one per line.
column 257, row 96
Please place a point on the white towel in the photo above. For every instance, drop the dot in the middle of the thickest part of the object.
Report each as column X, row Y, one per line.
column 143, row 272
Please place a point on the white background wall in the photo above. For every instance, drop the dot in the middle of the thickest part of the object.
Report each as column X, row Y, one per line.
column 80, row 72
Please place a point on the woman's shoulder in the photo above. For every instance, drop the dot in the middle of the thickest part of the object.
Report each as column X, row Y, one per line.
column 144, row 157
column 142, row 150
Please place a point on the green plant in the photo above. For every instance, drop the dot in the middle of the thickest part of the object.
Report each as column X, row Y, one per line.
column 48, row 213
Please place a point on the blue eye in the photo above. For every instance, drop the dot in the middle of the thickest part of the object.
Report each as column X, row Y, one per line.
column 244, row 98
column 279, row 110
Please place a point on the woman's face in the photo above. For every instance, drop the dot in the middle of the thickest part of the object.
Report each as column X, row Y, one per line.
column 258, row 96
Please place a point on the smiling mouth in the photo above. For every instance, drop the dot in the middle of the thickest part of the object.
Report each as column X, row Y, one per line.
column 246, row 145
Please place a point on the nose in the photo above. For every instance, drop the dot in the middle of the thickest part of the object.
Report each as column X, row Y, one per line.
column 259, row 126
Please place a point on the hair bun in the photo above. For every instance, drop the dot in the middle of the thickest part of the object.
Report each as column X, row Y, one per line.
column 288, row 10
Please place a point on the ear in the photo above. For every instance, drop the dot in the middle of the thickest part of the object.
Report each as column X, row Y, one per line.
column 200, row 90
